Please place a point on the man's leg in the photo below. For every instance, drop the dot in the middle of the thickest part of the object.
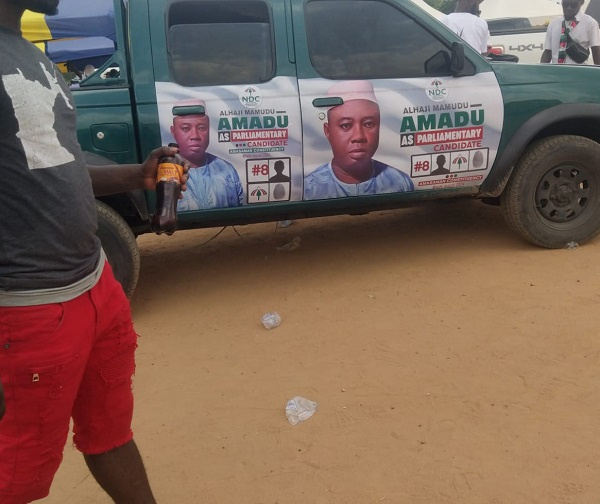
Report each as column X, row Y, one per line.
column 43, row 353
column 120, row 472
column 103, row 410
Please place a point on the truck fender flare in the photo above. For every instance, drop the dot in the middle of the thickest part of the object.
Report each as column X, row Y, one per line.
column 494, row 184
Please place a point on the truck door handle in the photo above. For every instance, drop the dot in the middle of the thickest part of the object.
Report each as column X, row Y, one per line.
column 111, row 137
column 330, row 101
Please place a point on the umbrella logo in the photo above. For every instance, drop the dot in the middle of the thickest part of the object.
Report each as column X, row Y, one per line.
column 459, row 160
column 258, row 193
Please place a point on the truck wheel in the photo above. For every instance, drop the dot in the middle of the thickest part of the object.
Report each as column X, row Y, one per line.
column 120, row 246
column 553, row 195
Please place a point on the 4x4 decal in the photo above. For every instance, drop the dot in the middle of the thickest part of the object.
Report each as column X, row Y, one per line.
column 528, row 47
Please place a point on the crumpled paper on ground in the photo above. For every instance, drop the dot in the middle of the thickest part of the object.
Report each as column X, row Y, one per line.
column 299, row 409
column 572, row 245
column 292, row 245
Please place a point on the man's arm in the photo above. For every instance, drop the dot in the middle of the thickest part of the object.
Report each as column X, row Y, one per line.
column 113, row 179
column 546, row 56
column 485, row 49
column 595, row 43
column 596, row 55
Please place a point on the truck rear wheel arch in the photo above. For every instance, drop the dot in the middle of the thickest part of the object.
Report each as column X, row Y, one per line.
column 565, row 119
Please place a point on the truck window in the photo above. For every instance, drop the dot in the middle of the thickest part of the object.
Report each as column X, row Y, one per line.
column 371, row 40
column 220, row 42
column 507, row 26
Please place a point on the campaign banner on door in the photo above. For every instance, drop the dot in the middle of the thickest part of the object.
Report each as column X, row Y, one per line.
column 243, row 141
column 390, row 136
column 257, row 144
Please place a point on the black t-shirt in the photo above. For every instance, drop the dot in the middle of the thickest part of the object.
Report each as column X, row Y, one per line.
column 47, row 211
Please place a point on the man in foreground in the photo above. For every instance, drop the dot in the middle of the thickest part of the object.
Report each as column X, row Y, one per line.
column 66, row 337
column 467, row 24
column 575, row 25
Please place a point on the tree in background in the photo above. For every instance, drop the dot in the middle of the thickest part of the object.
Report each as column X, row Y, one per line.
column 445, row 6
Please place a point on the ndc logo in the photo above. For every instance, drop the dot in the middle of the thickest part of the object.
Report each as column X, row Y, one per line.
column 436, row 91
column 250, row 97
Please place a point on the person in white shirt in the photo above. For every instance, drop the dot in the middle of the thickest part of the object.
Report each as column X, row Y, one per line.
column 467, row 24
column 581, row 27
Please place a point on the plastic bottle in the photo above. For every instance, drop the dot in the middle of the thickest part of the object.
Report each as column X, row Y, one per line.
column 168, row 188
column 271, row 320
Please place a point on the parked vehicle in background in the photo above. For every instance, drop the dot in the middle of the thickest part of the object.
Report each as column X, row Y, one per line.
column 519, row 27
column 305, row 112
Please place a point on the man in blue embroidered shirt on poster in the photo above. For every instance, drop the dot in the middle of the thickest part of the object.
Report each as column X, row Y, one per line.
column 352, row 130
column 213, row 182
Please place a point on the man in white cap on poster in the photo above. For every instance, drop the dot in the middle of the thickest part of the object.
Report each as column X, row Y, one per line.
column 213, row 182
column 353, row 133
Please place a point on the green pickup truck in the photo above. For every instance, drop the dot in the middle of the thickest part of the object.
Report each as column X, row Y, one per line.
column 298, row 108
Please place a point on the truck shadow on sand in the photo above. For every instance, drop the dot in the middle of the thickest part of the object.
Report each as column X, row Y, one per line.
column 207, row 258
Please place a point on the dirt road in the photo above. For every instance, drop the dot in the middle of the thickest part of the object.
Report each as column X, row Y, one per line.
column 451, row 363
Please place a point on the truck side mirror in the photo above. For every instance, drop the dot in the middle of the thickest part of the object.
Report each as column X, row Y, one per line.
column 457, row 59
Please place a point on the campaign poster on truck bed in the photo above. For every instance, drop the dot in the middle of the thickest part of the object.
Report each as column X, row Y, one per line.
column 243, row 141
column 393, row 135
column 314, row 139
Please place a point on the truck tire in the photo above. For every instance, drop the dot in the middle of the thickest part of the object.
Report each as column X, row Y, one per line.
column 553, row 195
column 120, row 246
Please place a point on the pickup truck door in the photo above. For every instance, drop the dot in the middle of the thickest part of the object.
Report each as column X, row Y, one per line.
column 377, row 93
column 105, row 124
column 226, row 67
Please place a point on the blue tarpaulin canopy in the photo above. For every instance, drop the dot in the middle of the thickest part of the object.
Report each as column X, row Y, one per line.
column 80, row 48
column 80, row 30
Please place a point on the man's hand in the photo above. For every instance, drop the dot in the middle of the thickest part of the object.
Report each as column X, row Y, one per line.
column 150, row 167
column 2, row 404
column 596, row 55
column 120, row 178
column 546, row 56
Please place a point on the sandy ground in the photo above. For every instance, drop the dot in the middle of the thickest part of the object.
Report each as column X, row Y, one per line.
column 451, row 363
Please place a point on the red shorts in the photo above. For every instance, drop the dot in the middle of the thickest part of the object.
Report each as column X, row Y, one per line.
column 57, row 361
